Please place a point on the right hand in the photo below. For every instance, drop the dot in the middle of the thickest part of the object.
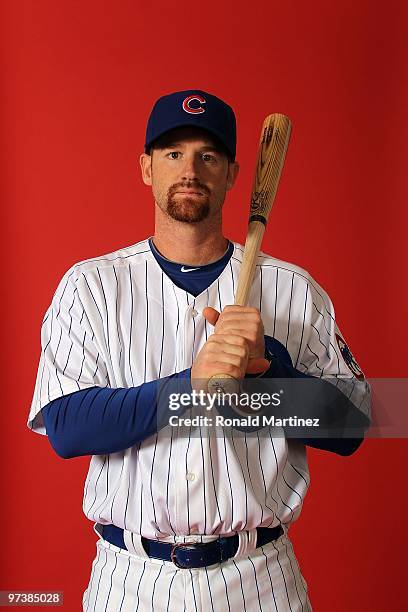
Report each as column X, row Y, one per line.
column 226, row 354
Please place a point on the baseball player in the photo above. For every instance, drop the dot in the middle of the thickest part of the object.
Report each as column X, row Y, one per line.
column 189, row 519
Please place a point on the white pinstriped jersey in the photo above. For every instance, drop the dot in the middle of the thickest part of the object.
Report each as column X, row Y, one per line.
column 118, row 321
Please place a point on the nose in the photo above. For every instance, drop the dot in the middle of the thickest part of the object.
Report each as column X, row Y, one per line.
column 190, row 168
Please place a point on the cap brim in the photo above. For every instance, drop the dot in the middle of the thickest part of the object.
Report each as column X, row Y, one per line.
column 190, row 124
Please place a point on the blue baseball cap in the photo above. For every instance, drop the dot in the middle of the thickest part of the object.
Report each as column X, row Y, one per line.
column 193, row 107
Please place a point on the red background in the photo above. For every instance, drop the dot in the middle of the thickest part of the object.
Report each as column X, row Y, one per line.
column 79, row 81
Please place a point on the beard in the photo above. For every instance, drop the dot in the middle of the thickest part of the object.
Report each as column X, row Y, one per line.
column 185, row 209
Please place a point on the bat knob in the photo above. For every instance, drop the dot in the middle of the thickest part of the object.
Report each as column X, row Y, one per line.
column 223, row 383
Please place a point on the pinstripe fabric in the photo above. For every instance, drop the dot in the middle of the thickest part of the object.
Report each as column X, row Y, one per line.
column 118, row 321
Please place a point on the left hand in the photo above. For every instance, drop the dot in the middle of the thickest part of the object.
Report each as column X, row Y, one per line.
column 242, row 321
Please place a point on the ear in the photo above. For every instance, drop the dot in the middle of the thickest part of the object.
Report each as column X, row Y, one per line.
column 233, row 169
column 146, row 168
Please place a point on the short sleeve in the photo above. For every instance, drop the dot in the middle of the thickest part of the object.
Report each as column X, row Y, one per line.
column 70, row 359
column 326, row 354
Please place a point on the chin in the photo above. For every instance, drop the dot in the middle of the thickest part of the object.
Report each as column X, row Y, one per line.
column 188, row 211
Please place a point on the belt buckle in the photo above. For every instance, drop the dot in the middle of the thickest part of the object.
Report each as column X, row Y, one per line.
column 180, row 545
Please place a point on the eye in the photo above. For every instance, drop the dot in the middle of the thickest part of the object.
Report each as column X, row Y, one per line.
column 207, row 157
column 173, row 155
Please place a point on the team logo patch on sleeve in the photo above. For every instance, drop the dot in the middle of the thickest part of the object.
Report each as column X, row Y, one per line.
column 349, row 359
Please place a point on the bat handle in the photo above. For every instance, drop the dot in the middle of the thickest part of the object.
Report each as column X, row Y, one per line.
column 223, row 383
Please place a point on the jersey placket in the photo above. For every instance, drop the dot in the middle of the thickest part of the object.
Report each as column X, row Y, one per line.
column 188, row 494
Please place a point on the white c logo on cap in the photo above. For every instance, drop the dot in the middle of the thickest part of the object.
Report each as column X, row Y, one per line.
column 193, row 111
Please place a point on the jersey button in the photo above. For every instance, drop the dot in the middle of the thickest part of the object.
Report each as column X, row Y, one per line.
column 194, row 312
column 190, row 476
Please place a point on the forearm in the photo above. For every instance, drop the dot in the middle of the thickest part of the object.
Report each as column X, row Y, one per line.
column 318, row 399
column 341, row 423
column 100, row 420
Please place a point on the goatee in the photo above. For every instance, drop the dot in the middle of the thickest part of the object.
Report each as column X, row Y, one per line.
column 185, row 209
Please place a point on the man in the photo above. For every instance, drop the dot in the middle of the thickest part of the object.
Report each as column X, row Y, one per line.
column 136, row 325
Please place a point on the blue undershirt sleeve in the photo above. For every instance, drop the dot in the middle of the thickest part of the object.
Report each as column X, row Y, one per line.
column 330, row 405
column 101, row 420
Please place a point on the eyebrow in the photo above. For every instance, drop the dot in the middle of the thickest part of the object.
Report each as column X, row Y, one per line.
column 211, row 146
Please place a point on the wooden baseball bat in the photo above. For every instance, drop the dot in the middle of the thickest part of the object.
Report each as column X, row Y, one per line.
column 273, row 144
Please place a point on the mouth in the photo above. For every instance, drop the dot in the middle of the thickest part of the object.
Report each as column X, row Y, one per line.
column 189, row 192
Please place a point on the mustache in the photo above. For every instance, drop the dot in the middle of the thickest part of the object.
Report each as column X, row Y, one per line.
column 188, row 185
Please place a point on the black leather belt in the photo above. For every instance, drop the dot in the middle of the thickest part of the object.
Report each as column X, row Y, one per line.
column 190, row 554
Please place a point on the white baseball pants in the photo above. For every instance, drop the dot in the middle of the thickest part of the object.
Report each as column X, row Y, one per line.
column 264, row 579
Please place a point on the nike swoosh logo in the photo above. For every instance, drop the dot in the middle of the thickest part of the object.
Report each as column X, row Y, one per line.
column 183, row 269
